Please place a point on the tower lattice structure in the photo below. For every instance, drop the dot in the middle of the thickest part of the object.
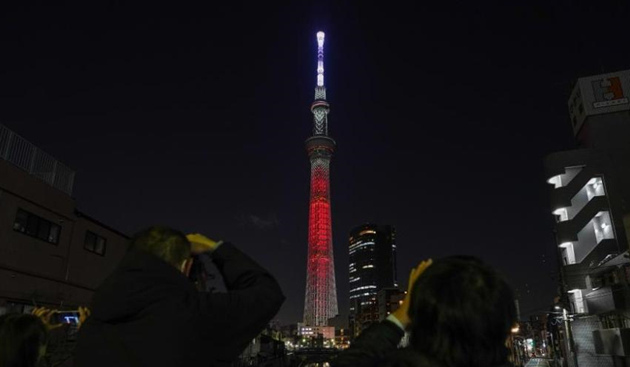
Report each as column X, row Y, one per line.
column 321, row 290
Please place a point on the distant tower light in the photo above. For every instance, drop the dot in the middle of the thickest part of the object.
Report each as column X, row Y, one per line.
column 320, row 38
column 320, row 59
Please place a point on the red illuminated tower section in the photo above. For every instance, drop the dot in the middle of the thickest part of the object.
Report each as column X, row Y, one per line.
column 321, row 291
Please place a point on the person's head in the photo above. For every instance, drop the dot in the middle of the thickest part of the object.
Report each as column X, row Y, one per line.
column 166, row 243
column 22, row 340
column 461, row 313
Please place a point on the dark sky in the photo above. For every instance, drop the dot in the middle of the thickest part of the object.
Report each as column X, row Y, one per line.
column 196, row 117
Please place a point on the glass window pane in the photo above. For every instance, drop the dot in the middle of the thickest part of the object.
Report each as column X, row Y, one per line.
column 43, row 230
column 31, row 225
column 100, row 246
column 55, row 231
column 20, row 221
column 90, row 241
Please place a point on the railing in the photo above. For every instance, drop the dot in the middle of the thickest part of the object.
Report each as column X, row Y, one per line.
column 20, row 152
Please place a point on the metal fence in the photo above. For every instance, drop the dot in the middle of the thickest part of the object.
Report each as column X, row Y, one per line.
column 20, row 152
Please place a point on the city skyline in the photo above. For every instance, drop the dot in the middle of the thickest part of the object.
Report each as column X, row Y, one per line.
column 196, row 119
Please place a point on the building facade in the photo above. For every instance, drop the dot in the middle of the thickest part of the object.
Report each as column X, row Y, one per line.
column 590, row 194
column 372, row 268
column 51, row 254
column 388, row 300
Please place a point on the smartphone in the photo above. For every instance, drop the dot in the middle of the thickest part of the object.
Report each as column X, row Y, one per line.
column 65, row 317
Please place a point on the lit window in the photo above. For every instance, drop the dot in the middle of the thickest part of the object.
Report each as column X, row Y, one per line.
column 358, row 245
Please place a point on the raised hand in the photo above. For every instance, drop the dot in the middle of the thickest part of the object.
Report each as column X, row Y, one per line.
column 84, row 313
column 45, row 315
column 402, row 313
column 201, row 243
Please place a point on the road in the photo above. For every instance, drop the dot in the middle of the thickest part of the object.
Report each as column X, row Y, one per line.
column 538, row 362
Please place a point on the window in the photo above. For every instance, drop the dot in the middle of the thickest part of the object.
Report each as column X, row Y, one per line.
column 34, row 226
column 95, row 243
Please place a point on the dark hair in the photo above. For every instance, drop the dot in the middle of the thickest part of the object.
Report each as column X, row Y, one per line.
column 21, row 337
column 461, row 313
column 166, row 243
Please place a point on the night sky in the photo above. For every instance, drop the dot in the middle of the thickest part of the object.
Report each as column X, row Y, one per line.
column 196, row 117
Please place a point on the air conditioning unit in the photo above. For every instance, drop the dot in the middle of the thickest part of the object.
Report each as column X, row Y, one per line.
column 612, row 342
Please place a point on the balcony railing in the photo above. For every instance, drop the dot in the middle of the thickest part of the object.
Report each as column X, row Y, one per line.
column 21, row 153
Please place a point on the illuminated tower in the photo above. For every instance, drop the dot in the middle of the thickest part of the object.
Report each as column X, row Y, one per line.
column 321, row 291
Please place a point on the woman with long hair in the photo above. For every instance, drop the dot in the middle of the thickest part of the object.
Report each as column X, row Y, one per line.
column 458, row 312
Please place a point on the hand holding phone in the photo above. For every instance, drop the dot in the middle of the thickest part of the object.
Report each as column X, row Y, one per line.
column 55, row 318
column 48, row 317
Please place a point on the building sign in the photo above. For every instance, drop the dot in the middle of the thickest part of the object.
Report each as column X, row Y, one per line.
column 599, row 95
column 608, row 92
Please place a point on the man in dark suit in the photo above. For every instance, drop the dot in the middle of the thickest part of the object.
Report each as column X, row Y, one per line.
column 148, row 313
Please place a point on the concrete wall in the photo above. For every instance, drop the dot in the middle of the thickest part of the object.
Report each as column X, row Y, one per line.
column 582, row 329
column 88, row 268
column 36, row 271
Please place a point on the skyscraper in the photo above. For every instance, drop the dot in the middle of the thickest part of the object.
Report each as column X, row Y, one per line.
column 372, row 268
column 589, row 199
column 321, row 293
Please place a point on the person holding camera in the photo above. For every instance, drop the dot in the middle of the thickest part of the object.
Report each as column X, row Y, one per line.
column 24, row 338
column 149, row 313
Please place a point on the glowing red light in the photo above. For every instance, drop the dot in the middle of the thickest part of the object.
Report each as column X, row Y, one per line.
column 321, row 298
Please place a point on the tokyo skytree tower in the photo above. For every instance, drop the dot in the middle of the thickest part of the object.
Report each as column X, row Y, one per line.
column 321, row 290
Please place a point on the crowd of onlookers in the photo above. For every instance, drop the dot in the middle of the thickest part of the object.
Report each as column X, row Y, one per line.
column 458, row 312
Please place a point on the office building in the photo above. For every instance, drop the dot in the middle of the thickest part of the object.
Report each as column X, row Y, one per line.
column 590, row 195
column 372, row 267
column 388, row 300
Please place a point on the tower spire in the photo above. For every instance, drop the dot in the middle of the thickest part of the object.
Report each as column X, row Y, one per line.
column 320, row 107
column 320, row 59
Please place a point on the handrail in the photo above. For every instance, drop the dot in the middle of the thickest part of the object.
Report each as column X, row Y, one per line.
column 23, row 154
